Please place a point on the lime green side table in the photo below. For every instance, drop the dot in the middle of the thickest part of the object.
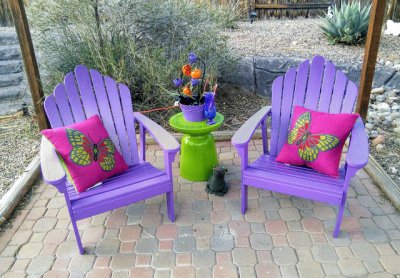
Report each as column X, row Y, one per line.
column 198, row 153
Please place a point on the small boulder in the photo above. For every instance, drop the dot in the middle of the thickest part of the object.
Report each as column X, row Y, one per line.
column 378, row 91
column 393, row 170
column 373, row 134
column 369, row 126
column 383, row 107
column 395, row 107
column 389, row 64
column 397, row 142
column 397, row 130
column 380, row 98
column 379, row 147
column 378, row 140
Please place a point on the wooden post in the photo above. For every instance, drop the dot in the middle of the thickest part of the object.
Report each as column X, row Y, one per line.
column 28, row 55
column 370, row 55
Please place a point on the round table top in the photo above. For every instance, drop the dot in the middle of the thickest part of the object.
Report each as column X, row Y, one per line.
column 178, row 123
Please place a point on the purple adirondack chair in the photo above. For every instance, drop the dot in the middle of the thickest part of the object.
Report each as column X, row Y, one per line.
column 85, row 93
column 316, row 85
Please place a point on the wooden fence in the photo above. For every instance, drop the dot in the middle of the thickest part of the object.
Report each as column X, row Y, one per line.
column 295, row 8
column 290, row 8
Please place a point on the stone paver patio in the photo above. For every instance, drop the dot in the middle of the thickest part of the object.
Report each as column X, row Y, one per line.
column 280, row 236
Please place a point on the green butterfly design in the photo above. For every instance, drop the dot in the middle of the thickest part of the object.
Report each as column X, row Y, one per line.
column 85, row 151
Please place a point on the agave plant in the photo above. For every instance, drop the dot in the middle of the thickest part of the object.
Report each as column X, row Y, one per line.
column 347, row 24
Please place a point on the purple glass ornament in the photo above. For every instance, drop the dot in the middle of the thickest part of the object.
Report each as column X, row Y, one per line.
column 177, row 82
column 194, row 81
column 192, row 58
column 210, row 110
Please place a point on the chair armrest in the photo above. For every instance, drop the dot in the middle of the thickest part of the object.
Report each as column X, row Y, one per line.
column 52, row 170
column 357, row 154
column 163, row 137
column 243, row 135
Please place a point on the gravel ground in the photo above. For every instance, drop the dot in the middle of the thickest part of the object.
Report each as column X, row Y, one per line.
column 19, row 143
column 301, row 38
column 388, row 156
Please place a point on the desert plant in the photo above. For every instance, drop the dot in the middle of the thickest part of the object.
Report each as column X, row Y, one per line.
column 138, row 42
column 347, row 24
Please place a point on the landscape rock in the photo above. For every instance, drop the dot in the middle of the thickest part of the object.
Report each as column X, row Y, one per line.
column 380, row 98
column 383, row 107
column 389, row 64
column 393, row 170
column 373, row 134
column 394, row 81
column 243, row 74
column 397, row 142
column 378, row 140
column 369, row 126
column 379, row 147
column 378, row 91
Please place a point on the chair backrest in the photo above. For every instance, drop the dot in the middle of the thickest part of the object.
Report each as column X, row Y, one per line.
column 85, row 93
column 315, row 85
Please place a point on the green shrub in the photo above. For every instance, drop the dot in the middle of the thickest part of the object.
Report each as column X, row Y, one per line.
column 142, row 43
column 347, row 24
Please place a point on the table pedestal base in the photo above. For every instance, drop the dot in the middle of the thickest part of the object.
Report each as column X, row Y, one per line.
column 198, row 157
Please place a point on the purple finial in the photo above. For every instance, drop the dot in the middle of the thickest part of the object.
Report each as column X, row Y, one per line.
column 192, row 58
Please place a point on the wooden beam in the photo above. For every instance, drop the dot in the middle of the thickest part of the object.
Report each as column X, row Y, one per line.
column 293, row 6
column 370, row 55
column 28, row 55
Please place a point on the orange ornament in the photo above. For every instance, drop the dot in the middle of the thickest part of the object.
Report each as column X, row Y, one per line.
column 186, row 69
column 187, row 91
column 196, row 74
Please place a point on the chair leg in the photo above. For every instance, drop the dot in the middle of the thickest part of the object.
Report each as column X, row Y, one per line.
column 73, row 221
column 170, row 206
column 244, row 198
column 339, row 217
column 78, row 237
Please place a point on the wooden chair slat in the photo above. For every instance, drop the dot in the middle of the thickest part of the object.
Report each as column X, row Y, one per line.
column 63, row 104
column 104, row 107
column 116, row 110
column 286, row 110
column 277, row 87
column 74, row 97
column 86, row 90
column 127, row 109
column 338, row 92
column 52, row 112
column 314, row 83
column 327, row 87
column 350, row 98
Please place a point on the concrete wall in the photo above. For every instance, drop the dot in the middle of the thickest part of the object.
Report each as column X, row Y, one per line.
column 256, row 74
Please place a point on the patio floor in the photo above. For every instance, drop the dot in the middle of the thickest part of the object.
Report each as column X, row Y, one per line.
column 280, row 236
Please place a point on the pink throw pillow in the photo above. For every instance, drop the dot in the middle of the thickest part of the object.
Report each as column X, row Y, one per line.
column 87, row 152
column 316, row 139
